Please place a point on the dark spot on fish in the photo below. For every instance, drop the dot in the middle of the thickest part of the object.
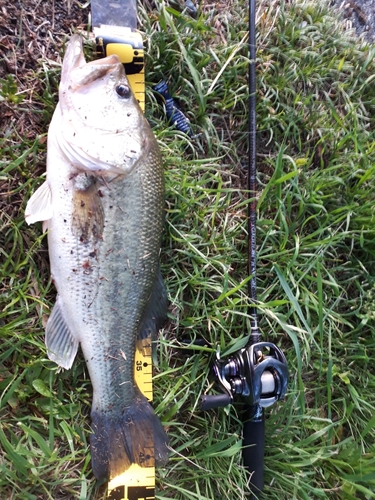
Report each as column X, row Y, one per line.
column 92, row 254
column 71, row 252
column 64, row 220
column 111, row 206
column 100, row 193
column 74, row 270
column 82, row 203
column 143, row 458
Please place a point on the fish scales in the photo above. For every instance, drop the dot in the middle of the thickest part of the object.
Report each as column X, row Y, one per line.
column 103, row 206
column 126, row 266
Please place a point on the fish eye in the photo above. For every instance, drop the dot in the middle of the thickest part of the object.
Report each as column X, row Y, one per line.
column 123, row 91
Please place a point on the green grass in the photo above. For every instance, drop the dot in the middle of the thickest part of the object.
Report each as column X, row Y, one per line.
column 316, row 263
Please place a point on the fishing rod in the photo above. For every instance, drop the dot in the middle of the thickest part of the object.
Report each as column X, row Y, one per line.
column 258, row 373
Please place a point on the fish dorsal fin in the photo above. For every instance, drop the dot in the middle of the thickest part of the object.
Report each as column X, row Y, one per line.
column 62, row 345
column 39, row 206
column 155, row 312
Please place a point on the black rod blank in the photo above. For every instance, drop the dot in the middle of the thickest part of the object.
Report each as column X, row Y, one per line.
column 253, row 418
column 251, row 177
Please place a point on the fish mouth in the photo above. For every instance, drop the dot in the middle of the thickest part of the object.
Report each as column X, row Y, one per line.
column 76, row 72
column 96, row 70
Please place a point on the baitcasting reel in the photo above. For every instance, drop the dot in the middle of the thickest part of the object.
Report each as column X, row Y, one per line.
column 258, row 373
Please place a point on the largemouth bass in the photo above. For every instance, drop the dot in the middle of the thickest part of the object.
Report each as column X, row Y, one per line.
column 103, row 207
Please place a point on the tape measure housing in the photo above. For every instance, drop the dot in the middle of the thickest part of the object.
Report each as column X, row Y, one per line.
column 128, row 46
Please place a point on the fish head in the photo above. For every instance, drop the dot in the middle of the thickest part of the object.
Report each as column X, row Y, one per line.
column 103, row 128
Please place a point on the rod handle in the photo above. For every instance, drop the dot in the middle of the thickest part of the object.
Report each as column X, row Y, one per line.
column 253, row 449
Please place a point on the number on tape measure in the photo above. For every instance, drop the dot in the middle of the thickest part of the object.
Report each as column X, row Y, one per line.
column 137, row 483
column 143, row 369
column 134, row 493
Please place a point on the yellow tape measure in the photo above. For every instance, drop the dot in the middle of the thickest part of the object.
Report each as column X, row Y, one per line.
column 137, row 483
column 128, row 46
column 143, row 368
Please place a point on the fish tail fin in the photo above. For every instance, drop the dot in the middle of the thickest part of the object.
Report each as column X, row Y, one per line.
column 133, row 435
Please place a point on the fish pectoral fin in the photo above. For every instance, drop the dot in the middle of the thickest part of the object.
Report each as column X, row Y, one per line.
column 155, row 314
column 39, row 206
column 87, row 214
column 62, row 345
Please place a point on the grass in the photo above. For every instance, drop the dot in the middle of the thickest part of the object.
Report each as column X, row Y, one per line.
column 316, row 265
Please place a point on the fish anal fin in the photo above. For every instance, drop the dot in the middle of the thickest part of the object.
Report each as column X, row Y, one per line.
column 62, row 345
column 132, row 435
column 155, row 314
column 39, row 206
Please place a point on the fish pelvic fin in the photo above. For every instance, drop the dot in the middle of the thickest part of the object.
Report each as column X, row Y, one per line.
column 62, row 345
column 134, row 435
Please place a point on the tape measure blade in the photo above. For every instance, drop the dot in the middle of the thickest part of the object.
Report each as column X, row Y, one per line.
column 137, row 483
column 143, row 368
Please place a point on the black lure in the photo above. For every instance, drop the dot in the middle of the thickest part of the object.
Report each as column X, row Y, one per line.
column 173, row 112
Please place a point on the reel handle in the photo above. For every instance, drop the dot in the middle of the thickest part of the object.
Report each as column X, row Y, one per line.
column 209, row 402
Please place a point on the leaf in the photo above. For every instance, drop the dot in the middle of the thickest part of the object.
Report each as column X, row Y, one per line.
column 41, row 387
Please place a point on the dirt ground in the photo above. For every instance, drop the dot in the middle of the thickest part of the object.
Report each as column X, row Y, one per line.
column 358, row 14
column 32, row 31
